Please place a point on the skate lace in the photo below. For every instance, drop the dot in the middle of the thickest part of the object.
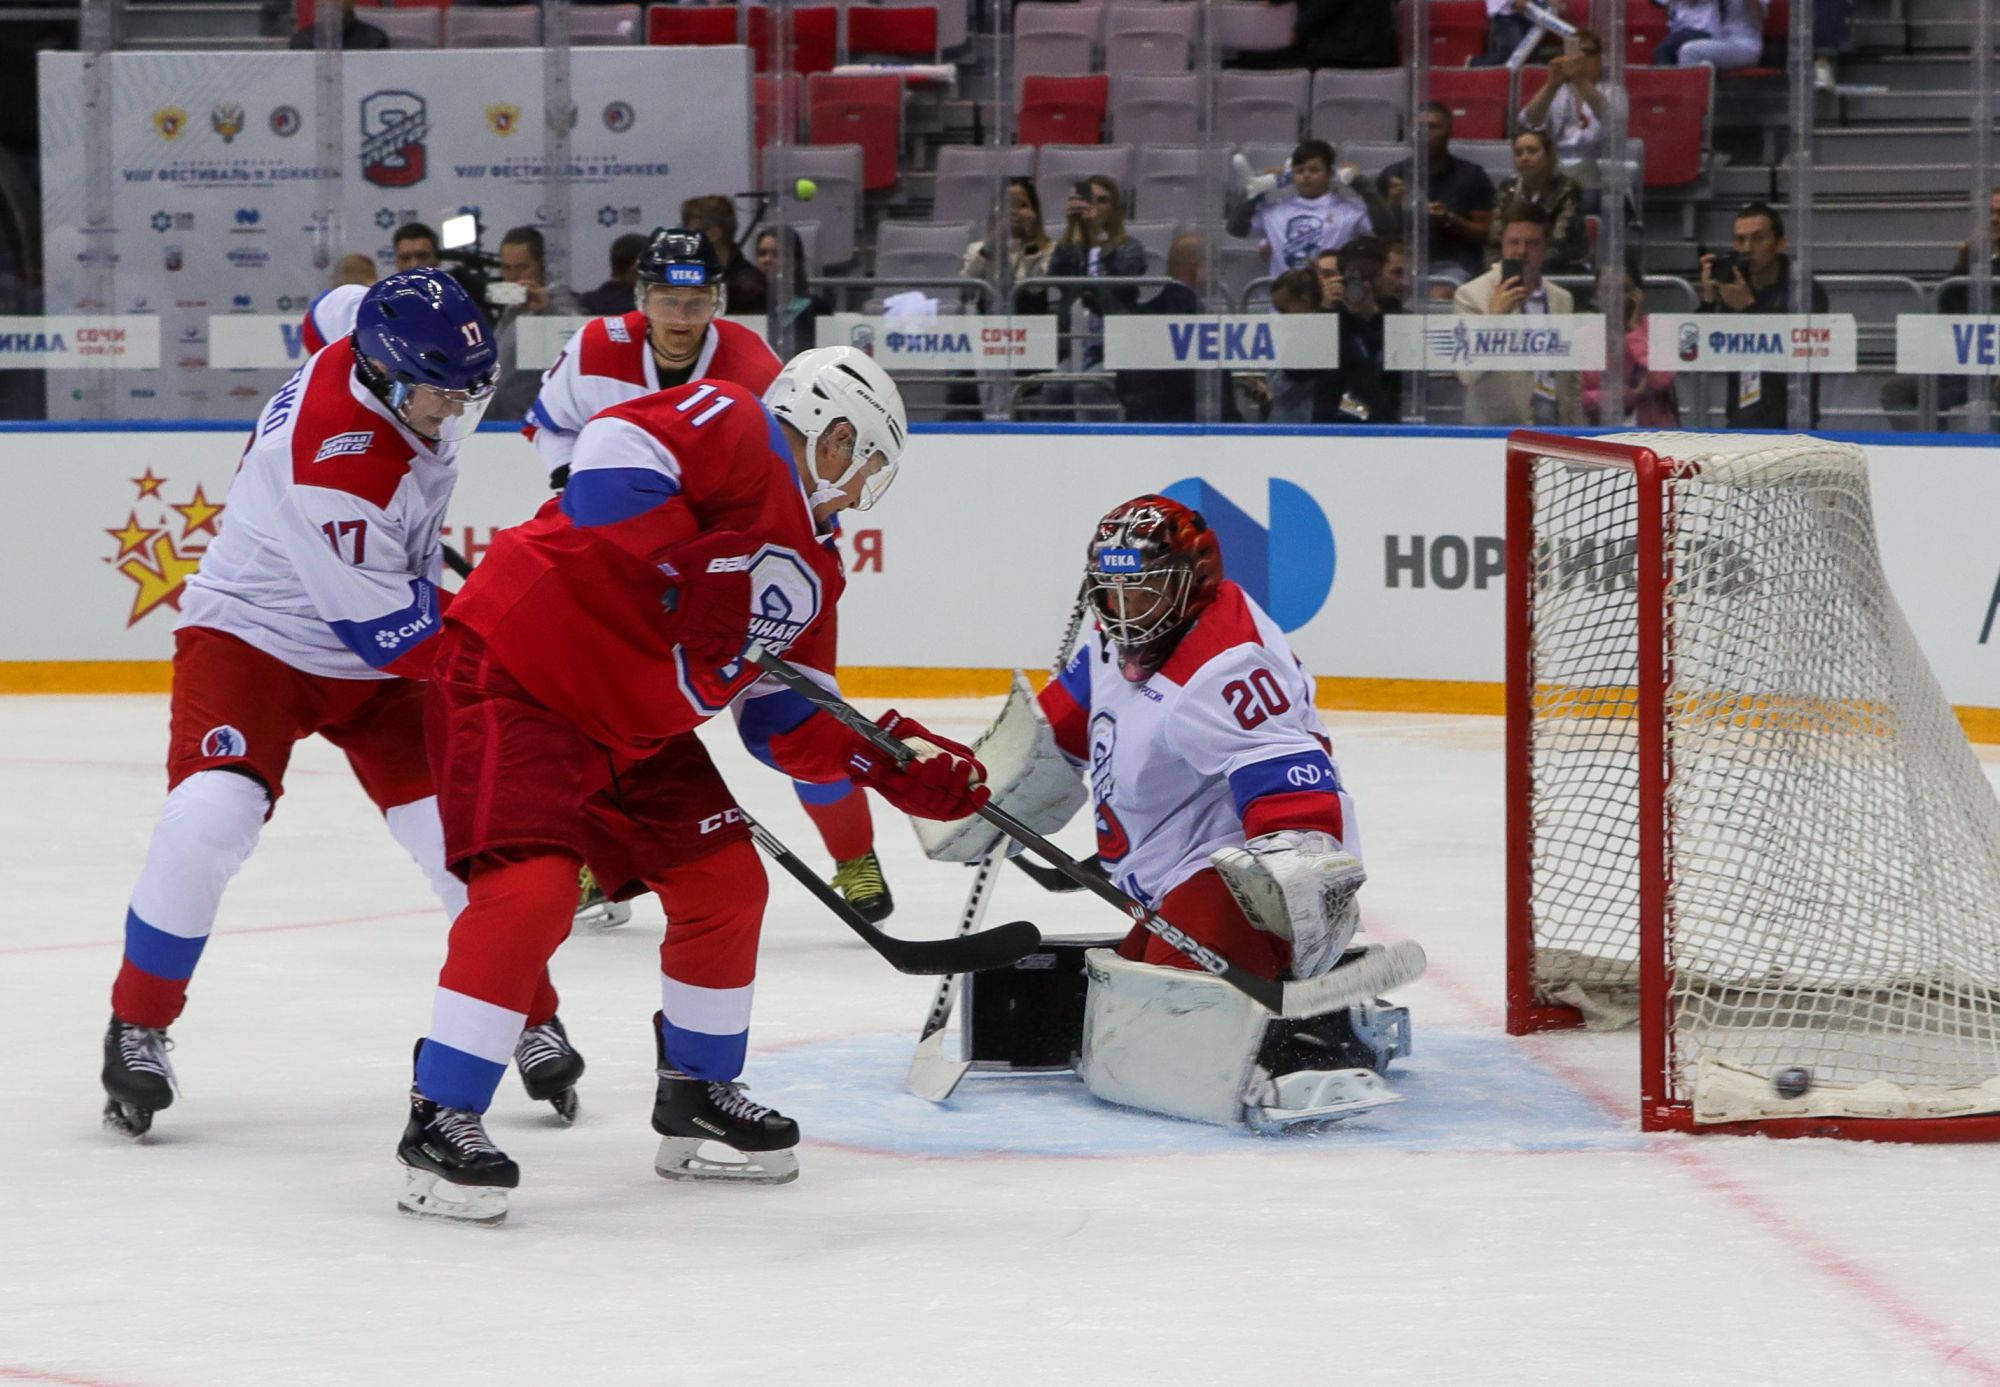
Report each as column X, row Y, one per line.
column 538, row 1045
column 145, row 1051
column 729, row 1097
column 465, row 1131
column 859, row 877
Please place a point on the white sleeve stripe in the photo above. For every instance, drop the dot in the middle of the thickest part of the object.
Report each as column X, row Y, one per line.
column 609, row 443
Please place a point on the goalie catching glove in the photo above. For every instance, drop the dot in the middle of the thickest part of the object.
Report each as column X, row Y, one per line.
column 944, row 781
column 1299, row 885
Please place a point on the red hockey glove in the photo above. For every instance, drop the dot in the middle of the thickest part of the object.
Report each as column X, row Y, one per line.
column 942, row 783
column 708, row 602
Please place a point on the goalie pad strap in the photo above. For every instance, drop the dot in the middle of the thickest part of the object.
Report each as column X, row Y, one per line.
column 1028, row 774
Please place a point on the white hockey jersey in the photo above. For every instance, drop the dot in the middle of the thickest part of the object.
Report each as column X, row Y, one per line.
column 609, row 361
column 329, row 555
column 1220, row 745
column 331, row 316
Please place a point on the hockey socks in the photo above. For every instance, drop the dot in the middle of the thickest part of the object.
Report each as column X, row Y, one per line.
column 840, row 812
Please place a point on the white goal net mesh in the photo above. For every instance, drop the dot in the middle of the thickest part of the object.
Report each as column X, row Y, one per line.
column 1832, row 846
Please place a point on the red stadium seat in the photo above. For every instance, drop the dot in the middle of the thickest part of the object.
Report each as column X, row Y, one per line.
column 1670, row 113
column 1645, row 31
column 909, row 32
column 867, row 111
column 1478, row 100
column 1777, row 33
column 675, row 26
column 815, row 37
column 1458, row 31
column 767, row 107
column 1063, row 110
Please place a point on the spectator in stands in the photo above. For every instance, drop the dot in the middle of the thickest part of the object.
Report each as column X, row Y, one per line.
column 354, row 268
column 1757, row 278
column 416, row 247
column 1095, row 244
column 1170, row 396
column 1461, row 201
column 1899, row 393
column 1028, row 246
column 1361, row 390
column 1314, row 213
column 743, row 283
column 1738, row 39
column 354, row 33
column 1507, row 23
column 523, row 292
column 1687, row 21
column 1649, row 401
column 1515, row 285
column 1288, row 393
column 1537, row 182
column 800, row 316
column 620, row 293
column 1574, row 104
column 1327, row 266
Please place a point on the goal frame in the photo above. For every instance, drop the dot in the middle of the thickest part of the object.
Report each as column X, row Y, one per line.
column 1526, row 1015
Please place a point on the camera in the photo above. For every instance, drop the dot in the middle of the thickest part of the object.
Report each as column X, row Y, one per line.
column 477, row 271
column 1726, row 265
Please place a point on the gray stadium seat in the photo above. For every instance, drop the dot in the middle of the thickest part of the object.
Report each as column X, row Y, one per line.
column 603, row 25
column 493, row 26
column 1053, row 53
column 1156, row 108
column 1054, row 17
column 837, row 206
column 921, row 250
column 422, row 28
column 970, row 178
column 1338, row 119
column 1147, row 50
column 1249, row 26
column 1261, row 106
column 1156, row 237
column 1182, row 183
column 1165, row 16
column 1344, row 95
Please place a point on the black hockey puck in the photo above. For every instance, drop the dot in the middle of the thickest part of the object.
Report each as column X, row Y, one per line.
column 1792, row 1083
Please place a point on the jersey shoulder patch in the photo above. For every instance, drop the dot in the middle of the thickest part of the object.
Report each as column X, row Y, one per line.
column 614, row 348
column 342, row 445
column 1228, row 623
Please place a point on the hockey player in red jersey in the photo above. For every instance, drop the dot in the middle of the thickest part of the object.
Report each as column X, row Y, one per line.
column 675, row 335
column 313, row 612
column 694, row 520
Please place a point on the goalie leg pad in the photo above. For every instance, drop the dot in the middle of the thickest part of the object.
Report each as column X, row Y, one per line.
column 1028, row 774
column 1168, row 1040
column 1299, row 885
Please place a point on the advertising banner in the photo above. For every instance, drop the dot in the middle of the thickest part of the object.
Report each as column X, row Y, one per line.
column 1781, row 343
column 257, row 339
column 1296, row 341
column 1929, row 344
column 128, row 343
column 1494, row 342
column 968, row 342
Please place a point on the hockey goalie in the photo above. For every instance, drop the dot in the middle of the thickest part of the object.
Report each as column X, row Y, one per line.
column 1219, row 805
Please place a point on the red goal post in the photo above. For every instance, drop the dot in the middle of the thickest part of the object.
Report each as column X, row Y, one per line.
column 1740, row 812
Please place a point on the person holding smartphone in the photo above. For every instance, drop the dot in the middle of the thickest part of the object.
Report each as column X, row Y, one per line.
column 1515, row 285
column 1094, row 244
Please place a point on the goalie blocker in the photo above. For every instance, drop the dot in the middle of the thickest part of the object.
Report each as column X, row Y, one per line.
column 1176, row 1042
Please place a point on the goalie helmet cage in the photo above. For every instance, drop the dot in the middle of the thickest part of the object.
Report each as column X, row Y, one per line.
column 1739, row 809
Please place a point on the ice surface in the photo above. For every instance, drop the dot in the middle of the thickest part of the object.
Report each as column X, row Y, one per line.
column 1507, row 1224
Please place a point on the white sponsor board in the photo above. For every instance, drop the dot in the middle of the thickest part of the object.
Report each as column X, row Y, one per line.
column 1929, row 344
column 948, row 342
column 1781, row 343
column 127, row 343
column 1293, row 341
column 257, row 339
column 1383, row 556
column 1494, row 342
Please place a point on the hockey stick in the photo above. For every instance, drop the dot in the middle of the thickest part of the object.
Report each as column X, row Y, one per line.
column 968, row 953
column 456, row 562
column 1374, row 972
column 932, row 1076
column 1049, row 879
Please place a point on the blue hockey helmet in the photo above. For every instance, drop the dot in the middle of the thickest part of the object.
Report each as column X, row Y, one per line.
column 425, row 349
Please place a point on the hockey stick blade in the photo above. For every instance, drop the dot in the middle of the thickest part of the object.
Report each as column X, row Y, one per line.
column 1380, row 968
column 967, row 953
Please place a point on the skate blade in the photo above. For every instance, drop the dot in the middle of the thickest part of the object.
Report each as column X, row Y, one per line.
column 1319, row 1097
column 695, row 1158
column 567, row 1106
column 127, row 1120
column 600, row 916
column 427, row 1194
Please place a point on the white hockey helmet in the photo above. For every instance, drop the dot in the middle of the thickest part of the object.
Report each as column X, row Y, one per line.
column 826, row 384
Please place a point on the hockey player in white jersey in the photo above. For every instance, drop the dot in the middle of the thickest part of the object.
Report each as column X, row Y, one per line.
column 314, row 611
column 1218, row 803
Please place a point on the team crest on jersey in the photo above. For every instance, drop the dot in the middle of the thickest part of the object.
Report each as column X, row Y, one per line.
column 786, row 597
column 223, row 741
column 345, row 445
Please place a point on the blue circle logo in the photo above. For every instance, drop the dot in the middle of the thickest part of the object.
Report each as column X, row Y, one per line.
column 1287, row 567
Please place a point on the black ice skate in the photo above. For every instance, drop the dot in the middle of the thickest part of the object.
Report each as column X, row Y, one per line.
column 860, row 880
column 695, row 1117
column 594, row 909
column 549, row 1067
column 137, row 1077
column 451, row 1169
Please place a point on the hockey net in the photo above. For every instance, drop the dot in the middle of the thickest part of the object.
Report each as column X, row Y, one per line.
column 1741, row 811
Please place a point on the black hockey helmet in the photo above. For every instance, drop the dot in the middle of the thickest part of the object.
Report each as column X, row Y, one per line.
column 676, row 255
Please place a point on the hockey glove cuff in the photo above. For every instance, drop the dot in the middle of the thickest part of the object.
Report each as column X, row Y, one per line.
column 943, row 782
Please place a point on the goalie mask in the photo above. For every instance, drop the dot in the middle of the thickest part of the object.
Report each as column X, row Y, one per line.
column 1152, row 567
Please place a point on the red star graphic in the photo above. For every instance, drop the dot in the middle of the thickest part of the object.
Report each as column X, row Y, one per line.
column 149, row 485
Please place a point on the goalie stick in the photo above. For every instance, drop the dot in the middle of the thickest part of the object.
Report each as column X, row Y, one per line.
column 1375, row 972
column 932, row 1076
column 1049, row 879
column 968, row 953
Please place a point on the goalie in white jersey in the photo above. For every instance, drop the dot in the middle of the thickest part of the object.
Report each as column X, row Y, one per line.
column 1218, row 804
column 314, row 611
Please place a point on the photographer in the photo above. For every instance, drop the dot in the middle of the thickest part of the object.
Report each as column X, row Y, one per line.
column 1360, row 390
column 521, row 292
column 1756, row 277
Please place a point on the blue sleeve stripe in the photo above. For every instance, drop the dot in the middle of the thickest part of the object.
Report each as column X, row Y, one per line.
column 378, row 640
column 539, row 417
column 1283, row 775
column 767, row 716
column 1075, row 677
column 607, row 495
